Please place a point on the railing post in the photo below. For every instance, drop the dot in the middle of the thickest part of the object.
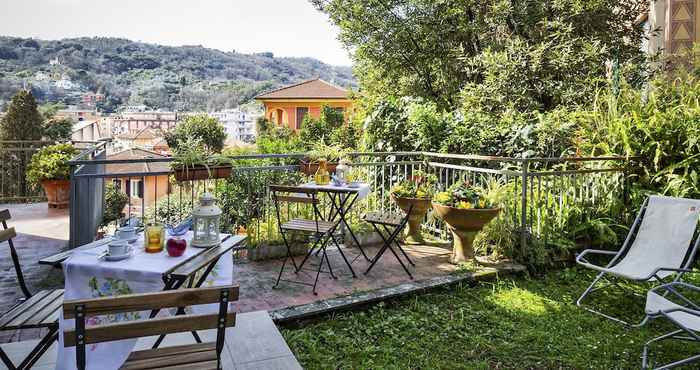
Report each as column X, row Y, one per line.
column 524, row 172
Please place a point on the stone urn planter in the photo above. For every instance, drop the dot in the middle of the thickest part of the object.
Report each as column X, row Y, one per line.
column 57, row 192
column 464, row 225
column 420, row 208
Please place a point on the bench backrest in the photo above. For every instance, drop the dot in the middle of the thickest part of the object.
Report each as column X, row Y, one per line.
column 80, row 310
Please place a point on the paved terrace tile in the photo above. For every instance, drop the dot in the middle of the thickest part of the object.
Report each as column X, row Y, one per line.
column 258, row 278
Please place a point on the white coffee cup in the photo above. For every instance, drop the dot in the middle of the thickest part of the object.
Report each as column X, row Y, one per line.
column 126, row 233
column 118, row 248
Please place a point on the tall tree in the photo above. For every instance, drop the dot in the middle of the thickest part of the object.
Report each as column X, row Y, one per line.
column 23, row 120
column 547, row 51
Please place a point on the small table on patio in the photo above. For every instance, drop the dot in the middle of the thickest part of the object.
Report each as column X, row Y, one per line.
column 342, row 198
column 89, row 277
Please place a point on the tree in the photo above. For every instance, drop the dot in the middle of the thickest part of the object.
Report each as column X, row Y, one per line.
column 208, row 130
column 23, row 120
column 58, row 129
column 549, row 51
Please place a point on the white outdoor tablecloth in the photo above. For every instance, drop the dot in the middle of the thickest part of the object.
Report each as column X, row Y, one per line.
column 363, row 189
column 88, row 277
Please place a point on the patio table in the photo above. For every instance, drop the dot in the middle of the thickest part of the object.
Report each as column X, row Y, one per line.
column 342, row 198
column 87, row 276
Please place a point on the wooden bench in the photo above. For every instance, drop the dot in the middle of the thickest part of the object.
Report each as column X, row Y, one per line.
column 194, row 356
column 36, row 311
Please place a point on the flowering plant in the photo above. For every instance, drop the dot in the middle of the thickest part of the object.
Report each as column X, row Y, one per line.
column 421, row 185
column 463, row 196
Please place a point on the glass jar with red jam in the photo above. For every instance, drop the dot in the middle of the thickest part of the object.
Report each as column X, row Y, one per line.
column 176, row 245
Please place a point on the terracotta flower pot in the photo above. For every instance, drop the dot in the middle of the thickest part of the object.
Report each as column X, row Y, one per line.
column 202, row 173
column 464, row 225
column 57, row 193
column 420, row 208
column 309, row 168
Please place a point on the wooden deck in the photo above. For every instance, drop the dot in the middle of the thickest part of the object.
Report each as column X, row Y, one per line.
column 254, row 343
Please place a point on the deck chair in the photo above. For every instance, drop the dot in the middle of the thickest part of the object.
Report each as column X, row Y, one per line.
column 205, row 356
column 36, row 311
column 316, row 229
column 658, row 247
column 672, row 302
column 392, row 224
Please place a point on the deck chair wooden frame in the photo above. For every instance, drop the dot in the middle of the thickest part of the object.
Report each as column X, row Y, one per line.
column 196, row 356
column 35, row 311
column 318, row 230
column 641, row 260
column 392, row 224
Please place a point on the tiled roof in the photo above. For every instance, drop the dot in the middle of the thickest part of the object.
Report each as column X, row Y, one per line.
column 311, row 89
column 136, row 154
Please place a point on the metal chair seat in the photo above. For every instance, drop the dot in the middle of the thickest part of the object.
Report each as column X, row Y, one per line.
column 299, row 224
column 39, row 311
column 384, row 218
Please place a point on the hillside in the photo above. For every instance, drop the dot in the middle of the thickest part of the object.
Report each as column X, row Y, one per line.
column 161, row 77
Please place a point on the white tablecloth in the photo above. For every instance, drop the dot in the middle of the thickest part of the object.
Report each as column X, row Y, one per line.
column 362, row 190
column 88, row 277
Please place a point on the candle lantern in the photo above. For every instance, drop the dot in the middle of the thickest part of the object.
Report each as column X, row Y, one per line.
column 205, row 222
column 342, row 171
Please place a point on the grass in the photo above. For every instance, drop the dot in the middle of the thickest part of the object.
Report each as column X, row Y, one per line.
column 508, row 324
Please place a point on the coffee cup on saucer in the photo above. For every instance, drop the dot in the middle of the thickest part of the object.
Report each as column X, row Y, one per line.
column 118, row 248
column 126, row 233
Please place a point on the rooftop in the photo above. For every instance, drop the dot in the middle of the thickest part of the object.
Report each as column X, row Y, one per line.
column 311, row 89
column 135, row 154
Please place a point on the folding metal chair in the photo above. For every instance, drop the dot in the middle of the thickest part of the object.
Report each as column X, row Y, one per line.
column 36, row 311
column 671, row 302
column 392, row 224
column 658, row 246
column 317, row 230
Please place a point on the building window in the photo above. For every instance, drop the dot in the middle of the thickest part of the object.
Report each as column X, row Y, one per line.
column 136, row 188
column 301, row 114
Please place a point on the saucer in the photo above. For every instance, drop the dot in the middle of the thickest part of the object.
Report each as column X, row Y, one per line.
column 120, row 257
column 130, row 241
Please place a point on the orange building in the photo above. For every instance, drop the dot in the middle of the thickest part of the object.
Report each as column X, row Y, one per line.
column 290, row 104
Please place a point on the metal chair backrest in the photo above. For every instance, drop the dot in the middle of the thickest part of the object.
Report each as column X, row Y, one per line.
column 80, row 310
column 6, row 235
column 296, row 195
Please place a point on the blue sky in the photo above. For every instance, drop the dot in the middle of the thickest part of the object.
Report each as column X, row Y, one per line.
column 285, row 27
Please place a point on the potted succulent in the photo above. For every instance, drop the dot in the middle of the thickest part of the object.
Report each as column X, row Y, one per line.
column 466, row 210
column 191, row 161
column 320, row 152
column 49, row 167
column 415, row 194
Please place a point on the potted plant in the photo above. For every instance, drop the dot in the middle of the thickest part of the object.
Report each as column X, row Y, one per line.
column 466, row 210
column 415, row 194
column 49, row 167
column 320, row 151
column 192, row 161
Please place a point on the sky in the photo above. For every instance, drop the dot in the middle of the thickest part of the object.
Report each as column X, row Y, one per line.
column 284, row 27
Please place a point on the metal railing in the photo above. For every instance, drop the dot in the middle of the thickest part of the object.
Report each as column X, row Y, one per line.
column 14, row 159
column 542, row 191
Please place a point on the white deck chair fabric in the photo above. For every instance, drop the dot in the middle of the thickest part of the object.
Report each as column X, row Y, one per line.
column 662, row 241
column 656, row 303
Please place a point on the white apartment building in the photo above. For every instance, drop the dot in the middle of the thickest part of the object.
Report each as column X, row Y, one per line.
column 239, row 124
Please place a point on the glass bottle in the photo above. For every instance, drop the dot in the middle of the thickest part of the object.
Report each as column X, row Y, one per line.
column 322, row 177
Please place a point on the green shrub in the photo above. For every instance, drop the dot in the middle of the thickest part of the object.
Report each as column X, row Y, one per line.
column 51, row 163
column 114, row 202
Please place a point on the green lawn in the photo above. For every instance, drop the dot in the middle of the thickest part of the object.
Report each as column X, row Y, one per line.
column 513, row 323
